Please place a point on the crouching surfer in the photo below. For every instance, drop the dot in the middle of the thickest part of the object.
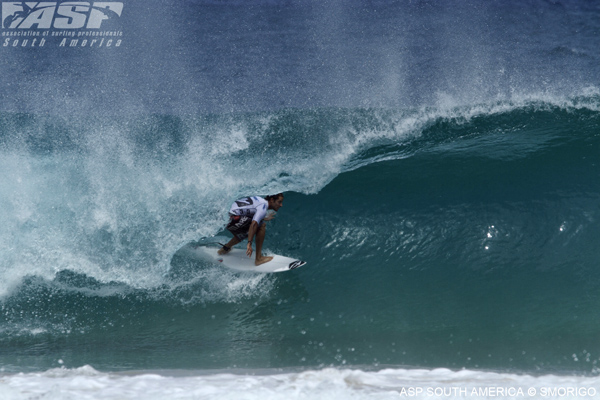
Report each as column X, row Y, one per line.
column 247, row 218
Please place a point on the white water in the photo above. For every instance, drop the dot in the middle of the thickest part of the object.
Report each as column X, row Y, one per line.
column 87, row 383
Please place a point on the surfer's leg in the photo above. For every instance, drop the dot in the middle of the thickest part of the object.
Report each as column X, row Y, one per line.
column 260, row 238
column 238, row 226
column 229, row 245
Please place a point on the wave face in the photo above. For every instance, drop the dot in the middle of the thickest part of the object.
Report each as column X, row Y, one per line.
column 461, row 237
column 439, row 164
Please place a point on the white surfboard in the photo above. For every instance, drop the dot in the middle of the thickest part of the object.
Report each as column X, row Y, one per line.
column 237, row 260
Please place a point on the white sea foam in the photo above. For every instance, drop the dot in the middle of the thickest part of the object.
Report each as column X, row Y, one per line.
column 87, row 383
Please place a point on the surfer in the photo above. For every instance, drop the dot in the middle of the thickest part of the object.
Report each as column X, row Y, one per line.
column 247, row 218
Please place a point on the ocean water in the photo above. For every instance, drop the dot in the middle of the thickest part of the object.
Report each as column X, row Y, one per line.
column 441, row 170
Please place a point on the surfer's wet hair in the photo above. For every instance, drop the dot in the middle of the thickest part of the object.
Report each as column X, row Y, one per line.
column 273, row 196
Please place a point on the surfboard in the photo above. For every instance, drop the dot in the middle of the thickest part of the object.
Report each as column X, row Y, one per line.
column 237, row 260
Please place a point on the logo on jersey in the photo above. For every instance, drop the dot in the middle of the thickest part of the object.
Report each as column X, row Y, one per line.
column 244, row 202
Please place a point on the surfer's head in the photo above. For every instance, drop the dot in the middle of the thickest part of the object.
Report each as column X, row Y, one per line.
column 275, row 201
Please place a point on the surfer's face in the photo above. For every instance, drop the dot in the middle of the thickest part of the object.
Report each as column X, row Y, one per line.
column 275, row 204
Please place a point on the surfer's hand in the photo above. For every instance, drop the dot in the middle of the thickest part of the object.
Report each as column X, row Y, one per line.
column 249, row 250
column 269, row 217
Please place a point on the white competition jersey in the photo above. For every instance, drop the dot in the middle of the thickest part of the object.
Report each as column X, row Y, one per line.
column 255, row 207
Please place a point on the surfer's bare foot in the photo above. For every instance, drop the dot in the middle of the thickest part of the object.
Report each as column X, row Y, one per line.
column 262, row 259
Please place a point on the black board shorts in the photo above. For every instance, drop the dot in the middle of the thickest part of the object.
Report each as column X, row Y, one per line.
column 239, row 225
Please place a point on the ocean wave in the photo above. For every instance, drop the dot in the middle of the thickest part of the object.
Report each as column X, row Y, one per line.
column 115, row 199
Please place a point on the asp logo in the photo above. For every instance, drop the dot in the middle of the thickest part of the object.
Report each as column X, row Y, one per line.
column 65, row 15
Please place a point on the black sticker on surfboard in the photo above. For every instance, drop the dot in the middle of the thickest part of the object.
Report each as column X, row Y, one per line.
column 296, row 264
